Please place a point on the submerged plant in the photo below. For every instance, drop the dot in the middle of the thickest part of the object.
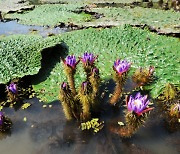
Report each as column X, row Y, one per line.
column 121, row 68
column 5, row 123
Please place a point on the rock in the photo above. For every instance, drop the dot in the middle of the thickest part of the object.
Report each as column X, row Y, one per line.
column 14, row 6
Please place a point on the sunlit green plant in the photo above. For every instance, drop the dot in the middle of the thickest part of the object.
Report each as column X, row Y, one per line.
column 83, row 103
column 170, row 106
column 79, row 105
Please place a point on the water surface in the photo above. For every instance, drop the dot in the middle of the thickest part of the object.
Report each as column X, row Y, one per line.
column 13, row 27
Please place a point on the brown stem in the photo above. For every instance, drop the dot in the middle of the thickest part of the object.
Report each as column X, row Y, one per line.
column 124, row 131
column 117, row 94
column 71, row 83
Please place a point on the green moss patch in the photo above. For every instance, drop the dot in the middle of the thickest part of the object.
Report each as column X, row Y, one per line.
column 51, row 15
column 141, row 47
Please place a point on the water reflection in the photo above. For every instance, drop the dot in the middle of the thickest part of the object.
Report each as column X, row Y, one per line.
column 13, row 27
column 46, row 131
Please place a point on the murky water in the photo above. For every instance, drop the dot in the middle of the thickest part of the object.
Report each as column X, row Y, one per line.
column 47, row 132
column 13, row 27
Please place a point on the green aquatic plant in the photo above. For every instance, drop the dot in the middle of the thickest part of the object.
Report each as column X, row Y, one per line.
column 121, row 68
column 143, row 76
column 79, row 105
column 140, row 47
column 93, row 124
column 70, row 69
column 12, row 92
column 20, row 55
column 170, row 107
column 135, row 115
column 84, row 104
column 51, row 15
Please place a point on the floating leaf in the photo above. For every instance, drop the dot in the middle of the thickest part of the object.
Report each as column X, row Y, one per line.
column 25, row 106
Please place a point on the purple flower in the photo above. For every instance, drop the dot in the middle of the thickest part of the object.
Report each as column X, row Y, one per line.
column 84, row 85
column 63, row 85
column 71, row 61
column 121, row 66
column 13, row 88
column 95, row 71
column 88, row 58
column 1, row 118
column 138, row 104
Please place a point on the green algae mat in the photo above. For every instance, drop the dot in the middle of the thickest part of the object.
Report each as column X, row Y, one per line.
column 20, row 55
column 51, row 15
column 140, row 47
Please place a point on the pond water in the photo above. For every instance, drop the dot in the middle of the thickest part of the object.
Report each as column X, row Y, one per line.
column 13, row 27
column 46, row 131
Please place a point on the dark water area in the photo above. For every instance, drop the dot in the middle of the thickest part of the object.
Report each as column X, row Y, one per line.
column 45, row 131
column 13, row 27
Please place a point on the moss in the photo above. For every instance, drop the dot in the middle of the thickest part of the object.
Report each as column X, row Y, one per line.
column 141, row 47
column 51, row 15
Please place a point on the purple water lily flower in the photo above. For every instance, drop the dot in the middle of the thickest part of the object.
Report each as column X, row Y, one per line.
column 88, row 58
column 121, row 66
column 71, row 61
column 138, row 104
column 13, row 88
column 1, row 118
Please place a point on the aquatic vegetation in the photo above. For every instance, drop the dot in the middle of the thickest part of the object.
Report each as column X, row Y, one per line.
column 92, row 124
column 20, row 55
column 161, row 20
column 5, row 123
column 170, row 107
column 138, row 104
column 140, row 47
column 12, row 92
column 135, row 115
column 143, row 76
column 51, row 15
column 79, row 105
column 121, row 68
column 12, row 88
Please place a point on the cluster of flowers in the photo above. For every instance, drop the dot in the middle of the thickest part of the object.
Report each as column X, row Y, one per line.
column 79, row 105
